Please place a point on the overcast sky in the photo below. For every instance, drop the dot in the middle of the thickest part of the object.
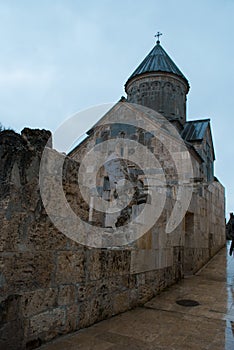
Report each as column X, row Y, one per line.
column 58, row 57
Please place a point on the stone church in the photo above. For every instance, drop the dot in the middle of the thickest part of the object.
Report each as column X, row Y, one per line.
column 150, row 211
column 156, row 96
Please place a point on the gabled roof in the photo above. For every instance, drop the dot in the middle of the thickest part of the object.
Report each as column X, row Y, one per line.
column 157, row 61
column 143, row 113
column 195, row 130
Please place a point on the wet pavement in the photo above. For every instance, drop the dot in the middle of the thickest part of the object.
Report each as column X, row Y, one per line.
column 164, row 324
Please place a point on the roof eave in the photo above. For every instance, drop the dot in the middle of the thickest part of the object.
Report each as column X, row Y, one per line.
column 132, row 77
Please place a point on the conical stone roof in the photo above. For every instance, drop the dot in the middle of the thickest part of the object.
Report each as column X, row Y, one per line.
column 157, row 61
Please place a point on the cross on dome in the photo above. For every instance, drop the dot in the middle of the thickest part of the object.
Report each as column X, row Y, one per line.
column 158, row 36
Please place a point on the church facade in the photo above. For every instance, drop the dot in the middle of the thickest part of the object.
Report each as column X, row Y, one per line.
column 156, row 100
column 146, row 210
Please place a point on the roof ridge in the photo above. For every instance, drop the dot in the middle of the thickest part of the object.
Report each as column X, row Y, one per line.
column 198, row 120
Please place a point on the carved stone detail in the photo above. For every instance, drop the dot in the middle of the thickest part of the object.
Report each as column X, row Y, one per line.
column 164, row 93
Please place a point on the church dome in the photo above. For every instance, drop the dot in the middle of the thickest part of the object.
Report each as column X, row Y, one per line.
column 159, row 84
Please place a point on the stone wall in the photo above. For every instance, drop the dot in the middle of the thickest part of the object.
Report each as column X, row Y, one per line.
column 204, row 225
column 49, row 284
column 164, row 93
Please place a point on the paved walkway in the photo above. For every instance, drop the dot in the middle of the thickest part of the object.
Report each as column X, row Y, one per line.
column 162, row 324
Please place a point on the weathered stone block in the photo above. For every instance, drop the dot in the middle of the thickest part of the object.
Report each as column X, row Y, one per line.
column 107, row 263
column 47, row 324
column 143, row 260
column 133, row 298
column 70, row 267
column 121, row 302
column 11, row 324
column 42, row 235
column 9, row 233
column 9, row 308
column 25, row 271
column 72, row 314
column 119, row 283
column 93, row 258
column 35, row 302
column 118, row 262
column 86, row 291
column 67, row 295
column 97, row 309
column 145, row 293
column 88, row 312
column 12, row 335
